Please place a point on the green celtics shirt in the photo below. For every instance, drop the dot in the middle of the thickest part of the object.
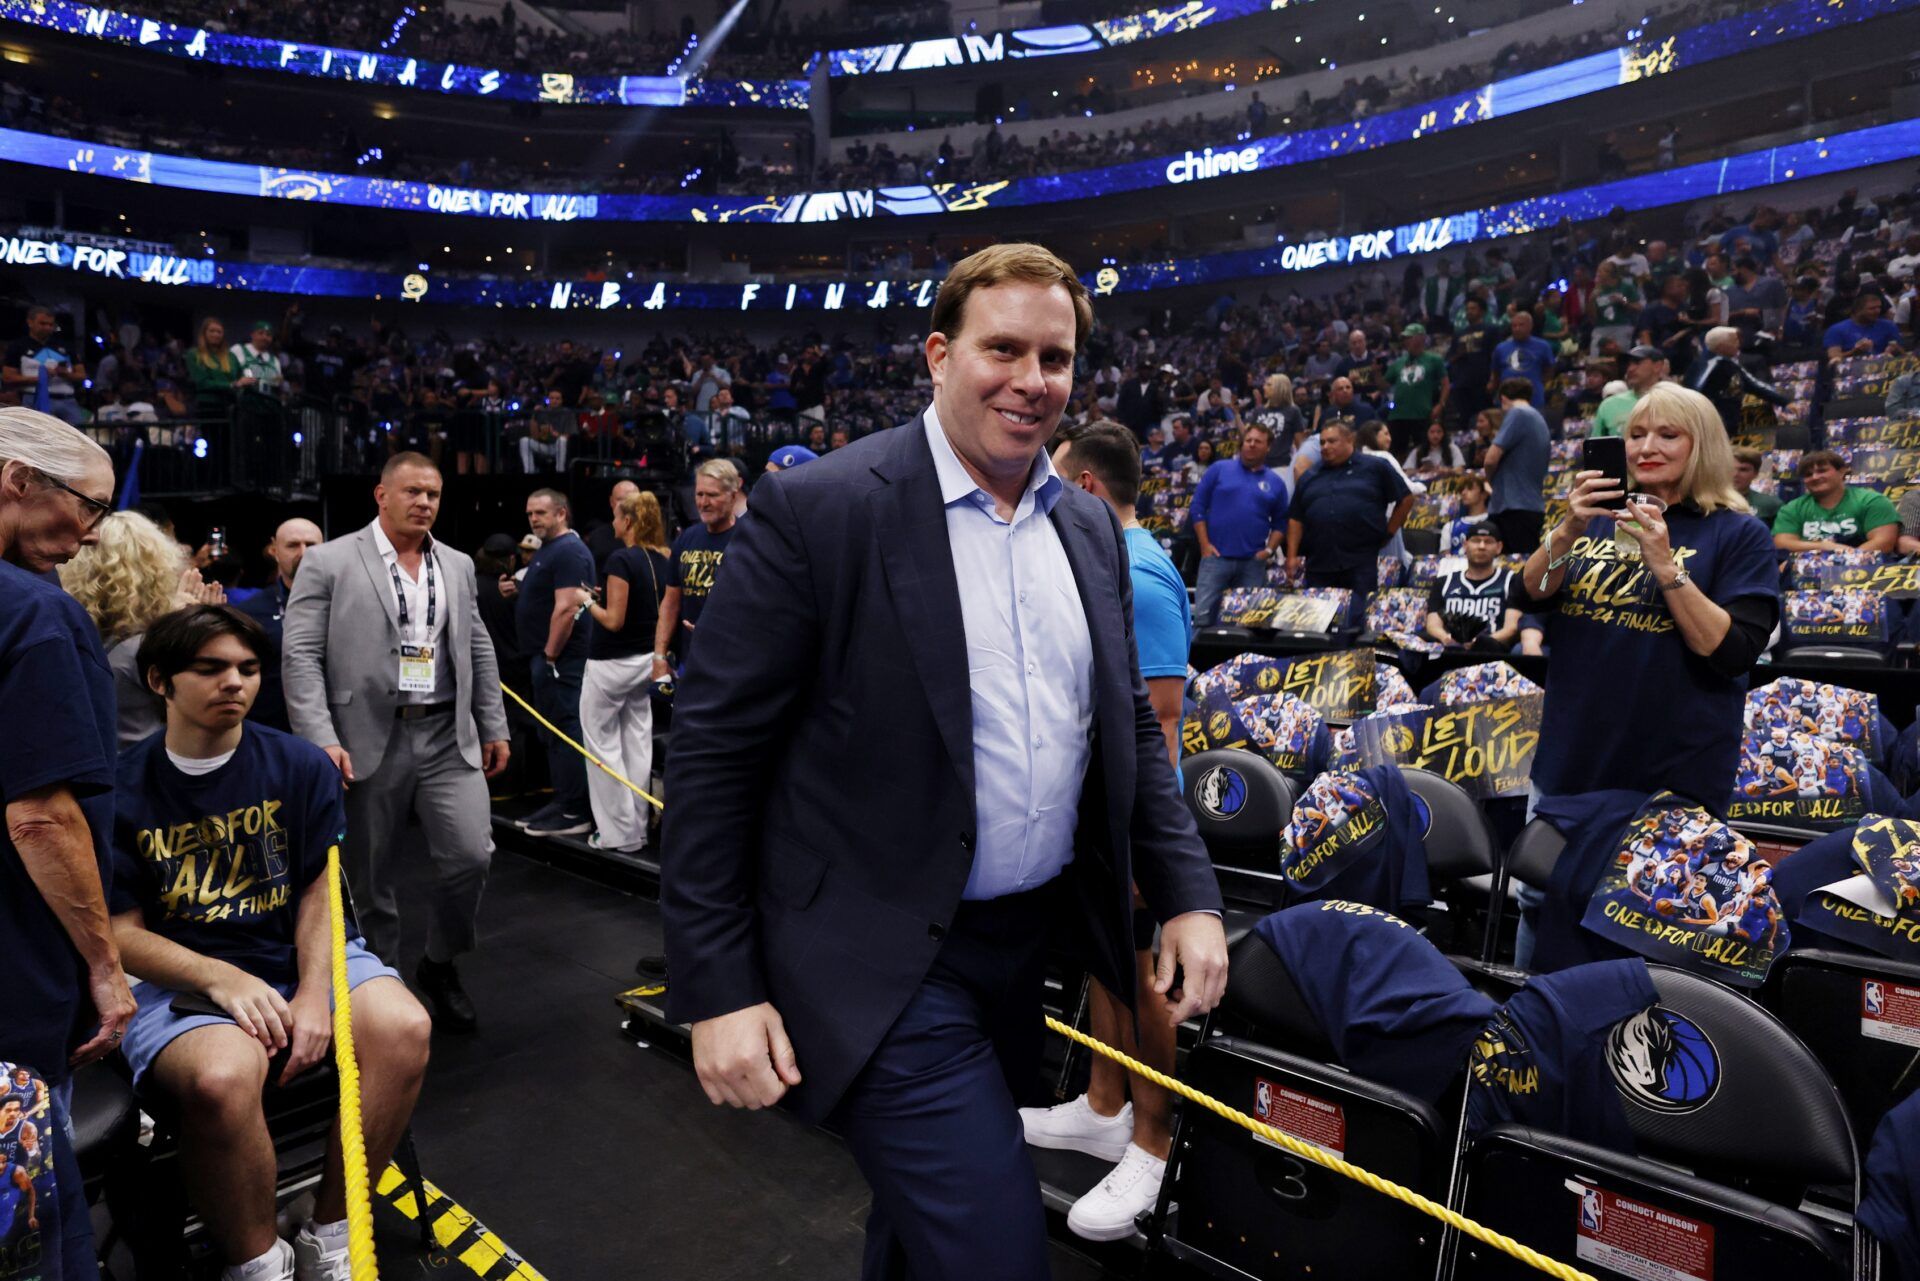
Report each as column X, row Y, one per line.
column 1413, row 382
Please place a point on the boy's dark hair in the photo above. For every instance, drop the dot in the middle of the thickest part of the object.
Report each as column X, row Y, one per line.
column 1816, row 457
column 175, row 639
column 1517, row 389
column 1112, row 453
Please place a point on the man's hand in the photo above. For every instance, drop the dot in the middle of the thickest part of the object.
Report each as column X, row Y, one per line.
column 1208, row 550
column 1196, row 944
column 260, row 1011
column 745, row 1060
column 341, row 761
column 509, row 587
column 494, row 756
column 113, row 1002
column 1293, row 567
column 312, row 1010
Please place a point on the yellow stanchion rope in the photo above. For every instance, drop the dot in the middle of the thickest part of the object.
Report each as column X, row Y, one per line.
column 1308, row 1152
column 353, row 1139
column 1304, row 1150
column 554, row 730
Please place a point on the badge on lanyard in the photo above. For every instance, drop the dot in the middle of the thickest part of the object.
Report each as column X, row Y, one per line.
column 416, row 669
column 416, row 659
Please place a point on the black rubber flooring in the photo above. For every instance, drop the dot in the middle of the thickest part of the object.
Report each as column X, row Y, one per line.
column 593, row 1157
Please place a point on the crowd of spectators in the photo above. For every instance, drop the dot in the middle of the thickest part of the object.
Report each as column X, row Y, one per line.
column 1564, row 308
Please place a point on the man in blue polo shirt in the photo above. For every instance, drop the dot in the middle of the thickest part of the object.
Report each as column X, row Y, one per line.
column 1517, row 468
column 1523, row 356
column 1103, row 458
column 1865, row 332
column 1346, row 510
column 1239, row 512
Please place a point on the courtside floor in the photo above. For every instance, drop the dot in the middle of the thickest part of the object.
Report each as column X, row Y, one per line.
column 588, row 1156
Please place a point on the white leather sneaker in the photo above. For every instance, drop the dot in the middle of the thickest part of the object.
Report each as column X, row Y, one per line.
column 275, row 1265
column 1107, row 1213
column 1076, row 1127
column 313, row 1261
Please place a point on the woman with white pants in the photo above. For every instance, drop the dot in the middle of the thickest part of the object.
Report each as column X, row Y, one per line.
column 616, row 703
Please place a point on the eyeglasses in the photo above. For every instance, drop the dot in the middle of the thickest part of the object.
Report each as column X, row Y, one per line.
column 97, row 510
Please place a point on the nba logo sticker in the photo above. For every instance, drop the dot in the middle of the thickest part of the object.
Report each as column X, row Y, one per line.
column 1592, row 1212
column 1262, row 1098
column 1890, row 1012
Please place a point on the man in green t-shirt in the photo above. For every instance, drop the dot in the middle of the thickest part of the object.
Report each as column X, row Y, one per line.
column 1746, row 470
column 1646, row 368
column 1833, row 515
column 1417, row 388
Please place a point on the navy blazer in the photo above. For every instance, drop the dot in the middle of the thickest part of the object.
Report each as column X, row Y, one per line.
column 822, row 823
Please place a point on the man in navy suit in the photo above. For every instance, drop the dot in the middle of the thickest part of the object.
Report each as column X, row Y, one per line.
column 912, row 746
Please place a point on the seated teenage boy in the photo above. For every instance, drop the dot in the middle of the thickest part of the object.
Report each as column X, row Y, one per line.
column 1472, row 606
column 221, row 830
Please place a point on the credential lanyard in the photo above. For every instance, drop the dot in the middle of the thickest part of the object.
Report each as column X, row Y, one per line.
column 400, row 595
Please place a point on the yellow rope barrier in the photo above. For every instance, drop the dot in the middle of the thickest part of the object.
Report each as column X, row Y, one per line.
column 353, row 1139
column 607, row 769
column 1308, row 1152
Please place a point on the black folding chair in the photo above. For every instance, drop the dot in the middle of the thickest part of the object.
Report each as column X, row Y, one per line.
column 1834, row 1002
column 1462, row 859
column 1241, row 804
column 1735, row 1121
column 1235, row 1206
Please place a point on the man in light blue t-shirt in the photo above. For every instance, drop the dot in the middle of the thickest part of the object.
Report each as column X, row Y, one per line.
column 1517, row 468
column 1103, row 458
column 1523, row 356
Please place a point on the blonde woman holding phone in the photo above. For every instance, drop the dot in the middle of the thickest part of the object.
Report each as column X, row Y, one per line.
column 616, row 704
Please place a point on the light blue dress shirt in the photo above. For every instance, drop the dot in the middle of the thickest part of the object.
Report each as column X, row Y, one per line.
column 1030, row 668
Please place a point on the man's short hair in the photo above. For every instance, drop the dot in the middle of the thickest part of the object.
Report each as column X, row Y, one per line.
column 1751, row 457
column 1340, row 423
column 39, row 309
column 553, row 496
column 176, row 639
column 405, row 458
column 1262, row 428
column 1745, row 262
column 1817, row 457
column 1112, row 453
column 721, row 470
column 1516, row 389
column 999, row 264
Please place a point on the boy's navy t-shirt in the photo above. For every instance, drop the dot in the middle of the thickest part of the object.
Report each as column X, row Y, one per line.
column 560, row 562
column 58, row 694
column 217, row 862
column 1628, row 705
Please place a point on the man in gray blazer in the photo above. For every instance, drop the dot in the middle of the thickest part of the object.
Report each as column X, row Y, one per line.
column 388, row 668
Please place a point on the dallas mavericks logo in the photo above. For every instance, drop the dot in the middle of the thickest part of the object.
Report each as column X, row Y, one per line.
column 1220, row 792
column 1663, row 1062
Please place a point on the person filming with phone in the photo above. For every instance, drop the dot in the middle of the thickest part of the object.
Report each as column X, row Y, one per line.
column 1659, row 591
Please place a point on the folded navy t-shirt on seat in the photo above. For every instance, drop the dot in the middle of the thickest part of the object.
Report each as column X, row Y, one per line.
column 1394, row 1009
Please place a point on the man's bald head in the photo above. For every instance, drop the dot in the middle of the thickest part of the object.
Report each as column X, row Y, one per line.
column 290, row 543
column 622, row 490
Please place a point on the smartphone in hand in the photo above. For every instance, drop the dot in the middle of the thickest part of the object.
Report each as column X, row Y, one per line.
column 1608, row 456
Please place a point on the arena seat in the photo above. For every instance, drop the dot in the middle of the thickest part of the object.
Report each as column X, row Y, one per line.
column 1842, row 656
column 1241, row 804
column 1735, row 1120
column 1531, row 858
column 1820, row 994
column 1234, row 1206
column 1461, row 854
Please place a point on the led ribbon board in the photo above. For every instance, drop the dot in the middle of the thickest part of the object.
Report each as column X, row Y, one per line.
column 1044, row 42
column 1792, row 20
column 359, row 66
column 1755, row 169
